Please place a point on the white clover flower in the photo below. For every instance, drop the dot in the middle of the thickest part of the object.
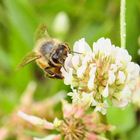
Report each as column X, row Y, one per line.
column 102, row 73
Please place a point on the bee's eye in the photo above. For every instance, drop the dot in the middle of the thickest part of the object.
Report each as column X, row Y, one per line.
column 55, row 58
column 58, row 55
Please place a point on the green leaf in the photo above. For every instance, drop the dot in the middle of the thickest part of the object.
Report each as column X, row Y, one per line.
column 123, row 119
column 135, row 134
column 132, row 28
column 22, row 18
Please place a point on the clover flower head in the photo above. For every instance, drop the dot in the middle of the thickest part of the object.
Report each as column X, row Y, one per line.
column 101, row 74
column 76, row 124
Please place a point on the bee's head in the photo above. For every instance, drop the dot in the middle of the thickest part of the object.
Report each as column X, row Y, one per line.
column 60, row 53
column 53, row 52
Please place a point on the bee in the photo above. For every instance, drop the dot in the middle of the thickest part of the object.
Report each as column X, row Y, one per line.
column 49, row 54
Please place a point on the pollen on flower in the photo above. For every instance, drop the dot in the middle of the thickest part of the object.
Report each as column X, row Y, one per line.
column 104, row 72
column 73, row 129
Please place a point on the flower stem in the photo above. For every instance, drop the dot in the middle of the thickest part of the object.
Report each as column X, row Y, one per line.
column 108, row 133
column 123, row 24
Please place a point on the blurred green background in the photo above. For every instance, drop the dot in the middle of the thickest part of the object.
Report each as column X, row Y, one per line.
column 91, row 19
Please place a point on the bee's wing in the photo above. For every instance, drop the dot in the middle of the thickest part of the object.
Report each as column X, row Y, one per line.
column 41, row 32
column 28, row 58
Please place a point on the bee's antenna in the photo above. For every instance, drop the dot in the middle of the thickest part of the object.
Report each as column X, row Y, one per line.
column 62, row 65
column 75, row 52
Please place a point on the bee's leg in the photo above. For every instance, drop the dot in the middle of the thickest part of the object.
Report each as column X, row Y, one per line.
column 58, row 76
column 52, row 74
column 64, row 68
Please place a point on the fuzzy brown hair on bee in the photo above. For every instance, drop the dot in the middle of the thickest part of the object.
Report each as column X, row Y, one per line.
column 49, row 55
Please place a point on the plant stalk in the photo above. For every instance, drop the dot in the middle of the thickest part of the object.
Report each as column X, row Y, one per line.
column 123, row 23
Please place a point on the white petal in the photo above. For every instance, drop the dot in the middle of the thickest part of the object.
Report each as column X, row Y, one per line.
column 72, row 93
column 133, row 69
column 102, row 107
column 86, row 99
column 105, row 92
column 32, row 119
column 94, row 102
column 121, row 77
column 81, row 46
column 122, row 55
column 81, row 70
column 57, row 123
column 68, row 77
column 68, row 62
column 113, row 67
column 120, row 103
column 103, row 45
column 35, row 120
column 122, row 98
column 112, row 77
column 88, row 58
column 91, row 78
column 75, row 61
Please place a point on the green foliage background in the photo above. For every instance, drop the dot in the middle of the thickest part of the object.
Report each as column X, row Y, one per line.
column 91, row 19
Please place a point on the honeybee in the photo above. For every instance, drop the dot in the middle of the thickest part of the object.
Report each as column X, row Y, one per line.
column 49, row 54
